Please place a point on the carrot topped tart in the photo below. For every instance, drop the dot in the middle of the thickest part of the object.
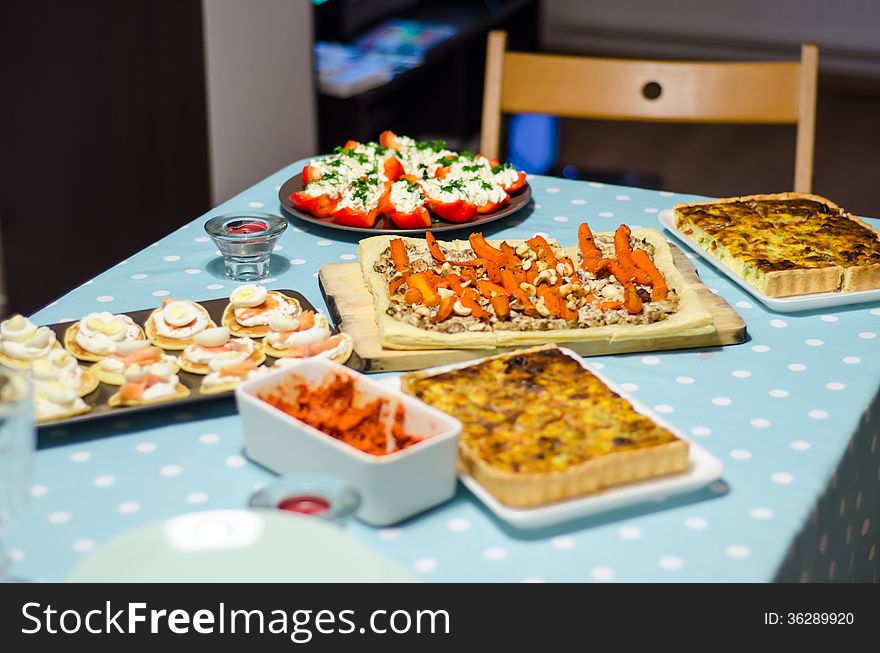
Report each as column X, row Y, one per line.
column 481, row 294
column 252, row 306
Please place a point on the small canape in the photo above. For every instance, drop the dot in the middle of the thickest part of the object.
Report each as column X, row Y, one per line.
column 337, row 348
column 252, row 306
column 98, row 334
column 228, row 370
column 60, row 366
column 54, row 400
column 210, row 344
column 22, row 342
column 111, row 370
column 285, row 333
column 173, row 325
column 150, row 384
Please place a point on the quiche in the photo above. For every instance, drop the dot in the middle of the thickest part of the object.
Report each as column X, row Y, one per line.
column 787, row 243
column 538, row 427
column 479, row 294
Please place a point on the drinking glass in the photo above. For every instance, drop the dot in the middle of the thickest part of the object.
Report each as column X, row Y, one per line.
column 246, row 241
column 17, row 442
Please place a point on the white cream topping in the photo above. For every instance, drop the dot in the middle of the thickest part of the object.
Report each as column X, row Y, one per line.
column 53, row 398
column 478, row 193
column 101, row 333
column 283, row 309
column 406, row 197
column 177, row 311
column 38, row 344
column 216, row 378
column 17, row 329
column 287, row 338
column 162, row 389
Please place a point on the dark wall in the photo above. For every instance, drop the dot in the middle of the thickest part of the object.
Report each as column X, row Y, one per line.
column 103, row 140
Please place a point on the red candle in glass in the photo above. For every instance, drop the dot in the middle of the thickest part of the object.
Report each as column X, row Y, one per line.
column 305, row 505
column 246, row 227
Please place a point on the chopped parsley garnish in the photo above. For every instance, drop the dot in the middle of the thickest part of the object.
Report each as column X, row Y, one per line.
column 485, row 185
column 467, row 155
column 436, row 145
column 500, row 167
column 411, row 186
column 472, row 168
column 361, row 188
column 455, row 184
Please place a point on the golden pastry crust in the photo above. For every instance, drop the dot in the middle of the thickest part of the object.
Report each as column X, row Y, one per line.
column 182, row 392
column 88, row 382
column 783, row 258
column 172, row 344
column 70, row 413
column 689, row 317
column 228, row 320
column 539, row 428
column 257, row 357
column 71, row 345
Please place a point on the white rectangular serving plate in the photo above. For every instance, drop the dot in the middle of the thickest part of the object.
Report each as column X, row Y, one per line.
column 703, row 468
column 779, row 304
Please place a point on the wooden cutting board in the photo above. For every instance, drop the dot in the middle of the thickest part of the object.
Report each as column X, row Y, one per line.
column 351, row 309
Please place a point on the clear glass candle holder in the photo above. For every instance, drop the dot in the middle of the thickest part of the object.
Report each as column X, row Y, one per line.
column 246, row 241
column 324, row 497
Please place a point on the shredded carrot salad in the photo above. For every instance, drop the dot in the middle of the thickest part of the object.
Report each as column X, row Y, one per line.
column 336, row 408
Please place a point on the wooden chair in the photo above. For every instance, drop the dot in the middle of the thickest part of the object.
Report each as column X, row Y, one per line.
column 661, row 91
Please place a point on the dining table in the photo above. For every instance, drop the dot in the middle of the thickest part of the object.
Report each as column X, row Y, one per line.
column 793, row 413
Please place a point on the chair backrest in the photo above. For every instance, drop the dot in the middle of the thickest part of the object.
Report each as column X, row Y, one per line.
column 662, row 91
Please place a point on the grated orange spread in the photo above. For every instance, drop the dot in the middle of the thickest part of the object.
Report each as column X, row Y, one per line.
column 336, row 408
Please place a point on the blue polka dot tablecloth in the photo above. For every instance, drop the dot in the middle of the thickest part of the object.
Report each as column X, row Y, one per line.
column 793, row 413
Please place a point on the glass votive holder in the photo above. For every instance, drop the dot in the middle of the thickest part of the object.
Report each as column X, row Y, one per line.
column 324, row 497
column 246, row 241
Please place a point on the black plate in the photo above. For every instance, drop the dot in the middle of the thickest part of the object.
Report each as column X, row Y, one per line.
column 384, row 225
column 98, row 399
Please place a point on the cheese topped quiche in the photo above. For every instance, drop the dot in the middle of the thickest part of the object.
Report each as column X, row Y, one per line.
column 539, row 427
column 786, row 244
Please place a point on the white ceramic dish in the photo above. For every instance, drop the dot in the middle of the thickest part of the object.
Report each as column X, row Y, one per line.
column 392, row 487
column 703, row 468
column 812, row 302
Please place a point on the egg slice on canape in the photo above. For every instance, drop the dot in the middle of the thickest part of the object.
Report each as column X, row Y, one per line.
column 149, row 384
column 22, row 342
column 60, row 366
column 111, row 370
column 228, row 370
column 286, row 333
column 252, row 306
column 98, row 334
column 211, row 343
column 173, row 325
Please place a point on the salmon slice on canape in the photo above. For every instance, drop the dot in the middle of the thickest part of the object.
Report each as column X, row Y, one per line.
column 252, row 306
column 227, row 371
column 211, row 343
column 285, row 333
column 173, row 325
column 337, row 348
column 111, row 370
column 151, row 384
